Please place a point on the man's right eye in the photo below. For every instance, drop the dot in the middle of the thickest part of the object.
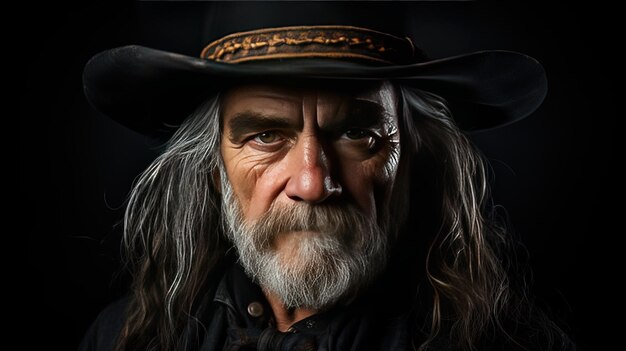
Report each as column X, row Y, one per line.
column 268, row 137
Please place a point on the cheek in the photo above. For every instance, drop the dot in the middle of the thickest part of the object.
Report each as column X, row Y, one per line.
column 268, row 185
column 368, row 183
column 369, row 179
column 255, row 180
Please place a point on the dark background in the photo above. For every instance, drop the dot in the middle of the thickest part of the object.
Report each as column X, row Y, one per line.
column 554, row 171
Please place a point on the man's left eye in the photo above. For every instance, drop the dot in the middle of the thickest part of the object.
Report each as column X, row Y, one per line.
column 356, row 134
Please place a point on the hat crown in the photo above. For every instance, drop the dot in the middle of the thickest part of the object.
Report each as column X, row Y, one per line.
column 224, row 18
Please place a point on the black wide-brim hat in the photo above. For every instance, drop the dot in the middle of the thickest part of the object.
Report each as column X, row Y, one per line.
column 152, row 91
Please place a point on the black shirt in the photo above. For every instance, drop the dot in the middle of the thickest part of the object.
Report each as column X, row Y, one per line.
column 238, row 317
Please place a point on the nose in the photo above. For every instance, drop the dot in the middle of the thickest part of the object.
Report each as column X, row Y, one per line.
column 309, row 167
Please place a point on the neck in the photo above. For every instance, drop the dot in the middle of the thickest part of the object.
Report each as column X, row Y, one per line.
column 286, row 317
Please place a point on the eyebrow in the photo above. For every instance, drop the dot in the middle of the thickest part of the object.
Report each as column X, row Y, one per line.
column 360, row 113
column 246, row 122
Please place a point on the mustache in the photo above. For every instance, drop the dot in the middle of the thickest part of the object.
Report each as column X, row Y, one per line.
column 341, row 221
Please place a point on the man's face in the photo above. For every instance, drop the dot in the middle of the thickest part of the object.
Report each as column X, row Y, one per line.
column 282, row 145
column 310, row 148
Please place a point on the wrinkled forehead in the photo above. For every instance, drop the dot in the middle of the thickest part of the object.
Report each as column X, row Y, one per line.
column 325, row 91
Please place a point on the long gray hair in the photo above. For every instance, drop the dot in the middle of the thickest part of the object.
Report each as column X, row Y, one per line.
column 171, row 233
column 174, row 241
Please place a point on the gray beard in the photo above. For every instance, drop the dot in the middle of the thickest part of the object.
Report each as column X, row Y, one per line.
column 344, row 254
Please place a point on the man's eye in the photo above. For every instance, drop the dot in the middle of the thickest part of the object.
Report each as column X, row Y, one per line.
column 356, row 134
column 267, row 137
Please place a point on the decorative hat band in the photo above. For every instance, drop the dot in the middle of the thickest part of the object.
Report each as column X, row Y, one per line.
column 338, row 42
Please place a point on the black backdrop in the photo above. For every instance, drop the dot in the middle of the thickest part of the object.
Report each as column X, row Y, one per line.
column 554, row 171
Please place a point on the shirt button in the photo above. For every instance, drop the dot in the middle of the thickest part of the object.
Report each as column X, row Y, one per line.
column 255, row 309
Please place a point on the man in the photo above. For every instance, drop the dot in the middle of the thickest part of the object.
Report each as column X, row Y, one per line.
column 321, row 197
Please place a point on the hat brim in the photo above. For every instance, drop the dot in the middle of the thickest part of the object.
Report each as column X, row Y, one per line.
column 150, row 90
